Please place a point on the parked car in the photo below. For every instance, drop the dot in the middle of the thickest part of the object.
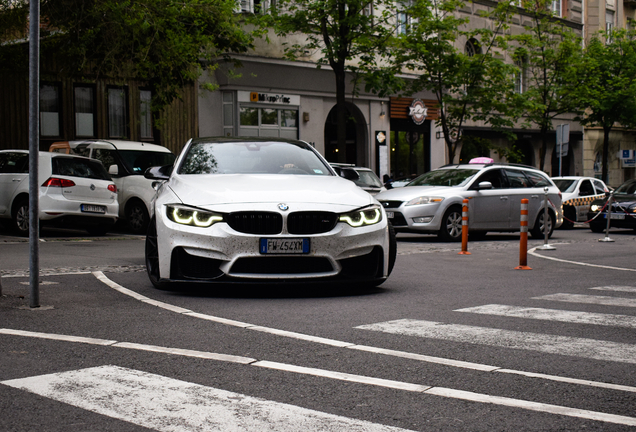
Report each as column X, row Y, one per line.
column 623, row 209
column 367, row 179
column 267, row 210
column 432, row 203
column 126, row 162
column 578, row 194
column 74, row 191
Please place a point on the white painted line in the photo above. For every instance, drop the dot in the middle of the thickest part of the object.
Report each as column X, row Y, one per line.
column 532, row 406
column 589, row 299
column 570, row 380
column 102, row 278
column 577, row 317
column 44, row 273
column 300, row 336
column 218, row 320
column 630, row 289
column 59, row 337
column 552, row 344
column 343, row 376
column 533, row 253
column 166, row 306
column 186, row 353
column 425, row 358
column 169, row 405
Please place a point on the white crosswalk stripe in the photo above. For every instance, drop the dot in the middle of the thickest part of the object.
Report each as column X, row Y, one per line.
column 575, row 317
column 169, row 405
column 553, row 344
column 629, row 289
column 589, row 299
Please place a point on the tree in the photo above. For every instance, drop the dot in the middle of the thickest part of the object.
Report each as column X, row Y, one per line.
column 608, row 85
column 547, row 52
column 347, row 35
column 164, row 43
column 471, row 81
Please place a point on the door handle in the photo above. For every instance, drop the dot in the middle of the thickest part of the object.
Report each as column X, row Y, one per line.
column 535, row 196
column 503, row 198
column 15, row 180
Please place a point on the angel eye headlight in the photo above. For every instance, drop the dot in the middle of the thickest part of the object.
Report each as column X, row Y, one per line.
column 424, row 200
column 367, row 216
column 190, row 216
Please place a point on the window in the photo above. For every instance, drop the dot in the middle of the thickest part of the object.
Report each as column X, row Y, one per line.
column 516, row 179
column 493, row 176
column 14, row 163
column 254, row 6
column 538, row 180
column 117, row 113
column 145, row 113
column 599, row 187
column 586, row 188
column 556, row 8
column 50, row 110
column 402, row 18
column 472, row 47
column 521, row 75
column 84, row 111
column 368, row 9
column 609, row 23
column 274, row 122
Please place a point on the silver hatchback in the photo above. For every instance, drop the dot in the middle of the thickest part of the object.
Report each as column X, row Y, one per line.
column 432, row 203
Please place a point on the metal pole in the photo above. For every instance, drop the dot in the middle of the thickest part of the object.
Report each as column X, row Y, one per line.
column 608, row 214
column 546, row 218
column 34, row 148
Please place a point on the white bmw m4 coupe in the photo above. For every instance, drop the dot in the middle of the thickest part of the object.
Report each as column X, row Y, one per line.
column 263, row 210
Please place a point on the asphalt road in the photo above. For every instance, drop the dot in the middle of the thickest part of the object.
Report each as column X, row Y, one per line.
column 449, row 343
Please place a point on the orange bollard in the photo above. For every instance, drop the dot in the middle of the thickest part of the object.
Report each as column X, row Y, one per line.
column 465, row 229
column 523, row 243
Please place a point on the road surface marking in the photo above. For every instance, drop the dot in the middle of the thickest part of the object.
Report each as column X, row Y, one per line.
column 552, row 344
column 589, row 299
column 533, row 253
column 169, row 405
column 626, row 321
column 616, row 288
column 403, row 354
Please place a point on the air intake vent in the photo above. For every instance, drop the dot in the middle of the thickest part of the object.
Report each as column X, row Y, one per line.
column 256, row 222
column 311, row 222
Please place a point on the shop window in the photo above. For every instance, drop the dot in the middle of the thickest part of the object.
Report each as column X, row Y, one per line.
column 289, row 118
column 50, row 110
column 269, row 117
column 84, row 111
column 249, row 116
column 145, row 112
column 117, row 113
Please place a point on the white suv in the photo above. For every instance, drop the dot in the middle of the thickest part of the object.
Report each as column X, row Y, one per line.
column 126, row 162
column 74, row 191
column 432, row 203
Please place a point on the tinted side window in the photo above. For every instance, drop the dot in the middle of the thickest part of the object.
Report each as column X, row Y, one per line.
column 14, row 163
column 517, row 179
column 586, row 188
column 598, row 186
column 537, row 179
column 75, row 167
column 493, row 176
column 105, row 156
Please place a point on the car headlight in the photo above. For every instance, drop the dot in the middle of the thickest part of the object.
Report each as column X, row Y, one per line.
column 366, row 216
column 595, row 207
column 191, row 216
column 424, row 200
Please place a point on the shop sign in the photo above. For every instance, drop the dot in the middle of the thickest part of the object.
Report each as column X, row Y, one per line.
column 417, row 111
column 380, row 137
column 268, row 98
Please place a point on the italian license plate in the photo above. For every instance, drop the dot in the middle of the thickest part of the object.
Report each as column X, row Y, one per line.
column 390, row 215
column 614, row 216
column 90, row 208
column 284, row 246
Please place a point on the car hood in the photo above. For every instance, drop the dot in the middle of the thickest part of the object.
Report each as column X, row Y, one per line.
column 227, row 191
column 410, row 192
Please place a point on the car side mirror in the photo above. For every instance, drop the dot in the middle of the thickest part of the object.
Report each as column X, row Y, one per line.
column 113, row 170
column 158, row 172
column 349, row 174
column 484, row 185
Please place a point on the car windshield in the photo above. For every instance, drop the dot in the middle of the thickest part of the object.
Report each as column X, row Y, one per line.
column 261, row 157
column 368, row 178
column 137, row 161
column 565, row 185
column 77, row 167
column 628, row 188
column 445, row 177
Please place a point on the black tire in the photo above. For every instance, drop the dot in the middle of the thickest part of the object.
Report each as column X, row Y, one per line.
column 392, row 249
column 537, row 231
column 152, row 257
column 137, row 217
column 20, row 217
column 569, row 216
column 597, row 227
column 97, row 230
column 451, row 227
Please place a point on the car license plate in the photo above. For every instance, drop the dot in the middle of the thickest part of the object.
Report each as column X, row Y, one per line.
column 90, row 208
column 284, row 246
column 390, row 215
column 614, row 216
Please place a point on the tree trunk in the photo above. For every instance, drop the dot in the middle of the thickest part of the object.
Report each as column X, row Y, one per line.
column 605, row 173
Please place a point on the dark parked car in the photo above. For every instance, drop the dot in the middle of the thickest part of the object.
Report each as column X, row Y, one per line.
column 623, row 209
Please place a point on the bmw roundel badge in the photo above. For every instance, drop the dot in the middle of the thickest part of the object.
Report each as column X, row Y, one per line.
column 283, row 207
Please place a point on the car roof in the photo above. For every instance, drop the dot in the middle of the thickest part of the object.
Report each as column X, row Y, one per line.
column 247, row 139
column 123, row 145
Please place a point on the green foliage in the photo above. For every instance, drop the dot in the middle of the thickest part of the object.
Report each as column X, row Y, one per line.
column 164, row 43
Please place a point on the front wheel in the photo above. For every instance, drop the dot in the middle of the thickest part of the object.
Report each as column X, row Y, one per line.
column 451, row 229
column 538, row 231
column 152, row 257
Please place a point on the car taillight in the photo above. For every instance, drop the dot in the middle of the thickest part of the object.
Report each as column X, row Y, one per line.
column 112, row 188
column 58, row 182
